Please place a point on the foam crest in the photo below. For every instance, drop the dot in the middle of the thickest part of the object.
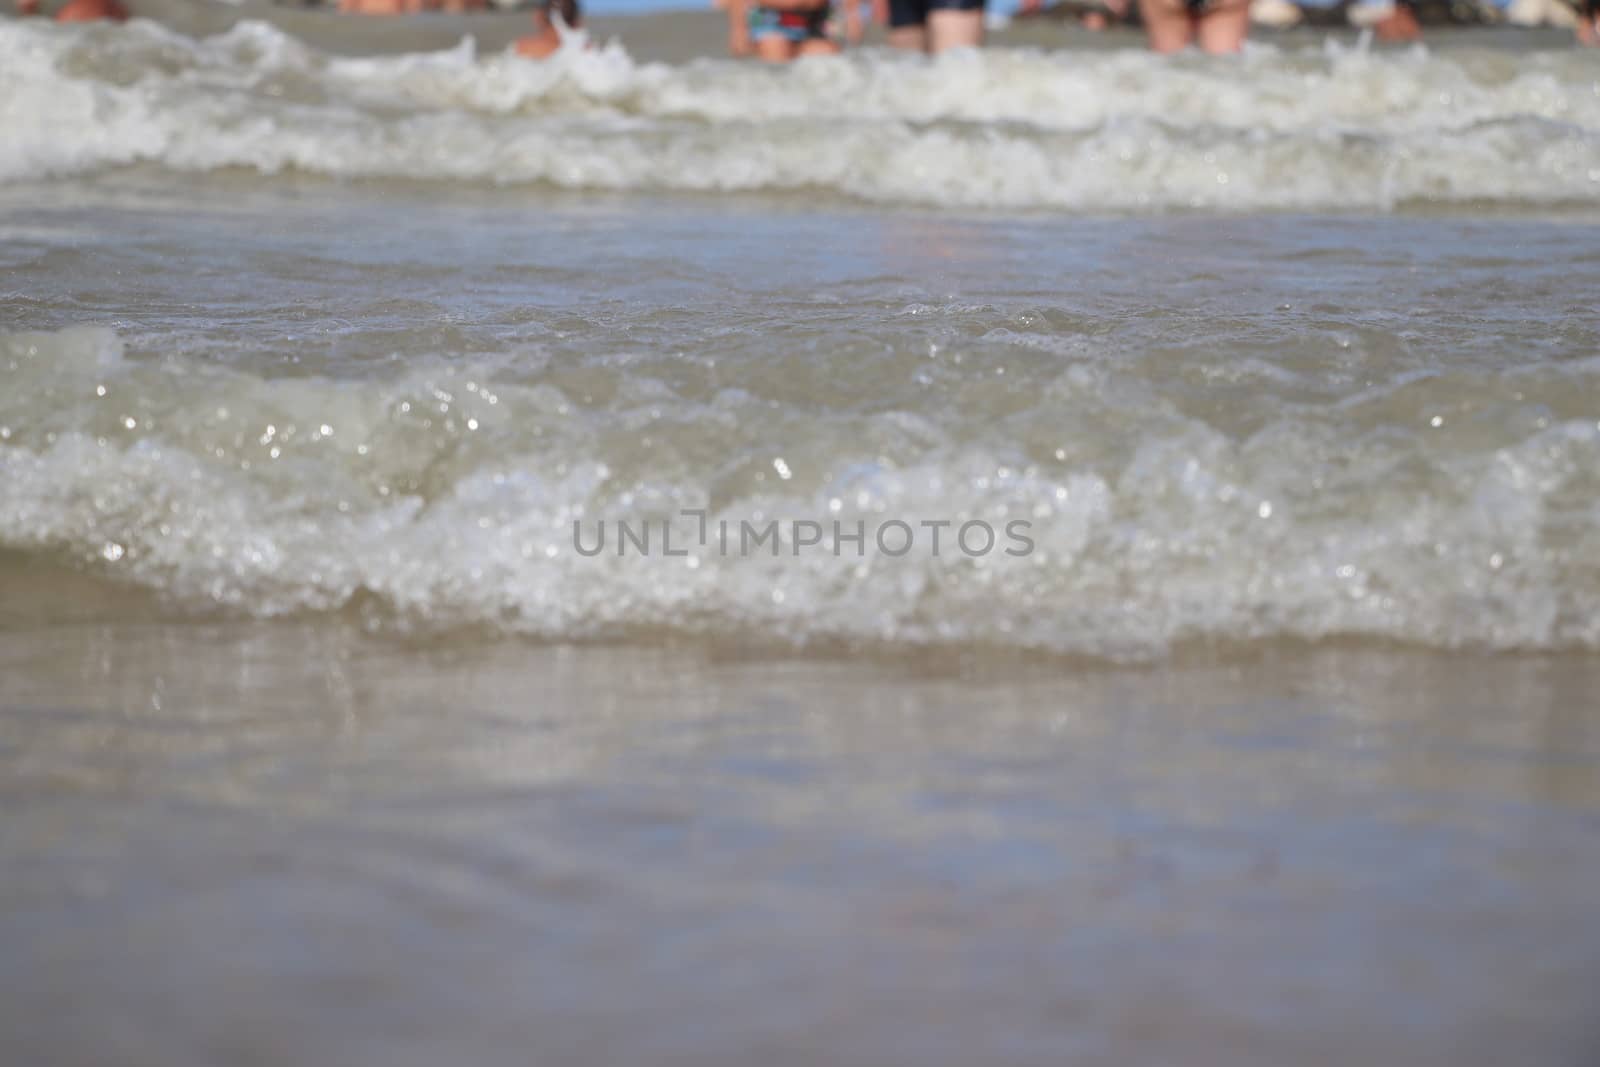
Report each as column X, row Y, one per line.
column 1014, row 129
column 446, row 496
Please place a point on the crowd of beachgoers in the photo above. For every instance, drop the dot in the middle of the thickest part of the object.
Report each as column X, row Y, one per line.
column 779, row 31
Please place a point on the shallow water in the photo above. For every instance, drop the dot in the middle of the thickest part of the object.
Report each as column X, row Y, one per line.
column 1336, row 128
column 306, row 397
column 322, row 739
column 290, row 844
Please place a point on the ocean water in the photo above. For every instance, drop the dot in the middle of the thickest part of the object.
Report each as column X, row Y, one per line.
column 293, row 333
column 1261, row 732
column 1338, row 129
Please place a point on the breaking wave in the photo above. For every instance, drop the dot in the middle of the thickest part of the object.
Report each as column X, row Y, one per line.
column 1075, row 131
column 445, row 496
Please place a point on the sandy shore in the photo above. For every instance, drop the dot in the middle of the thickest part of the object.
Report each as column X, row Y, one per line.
column 682, row 36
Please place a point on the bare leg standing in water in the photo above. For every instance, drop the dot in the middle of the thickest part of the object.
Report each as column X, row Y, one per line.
column 79, row 10
column 1219, row 27
column 933, row 26
column 92, row 11
column 1589, row 23
column 1400, row 24
column 1389, row 20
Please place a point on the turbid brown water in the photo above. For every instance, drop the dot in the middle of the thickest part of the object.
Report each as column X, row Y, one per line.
column 292, row 843
column 324, row 738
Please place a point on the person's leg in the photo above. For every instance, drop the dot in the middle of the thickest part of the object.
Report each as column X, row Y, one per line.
column 816, row 41
column 1224, row 27
column 954, row 29
column 1167, row 25
column 819, row 46
column 91, row 11
column 1399, row 25
column 774, row 48
column 907, row 22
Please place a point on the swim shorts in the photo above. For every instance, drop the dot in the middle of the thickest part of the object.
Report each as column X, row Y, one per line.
column 915, row 12
column 796, row 26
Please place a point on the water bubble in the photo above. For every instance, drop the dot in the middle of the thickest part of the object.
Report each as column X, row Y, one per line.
column 1436, row 421
column 1265, row 510
column 111, row 551
column 782, row 468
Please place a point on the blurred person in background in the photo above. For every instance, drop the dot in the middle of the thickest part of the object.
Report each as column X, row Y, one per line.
column 410, row 7
column 1389, row 20
column 79, row 10
column 932, row 26
column 1589, row 23
column 778, row 31
column 1217, row 26
column 1104, row 16
column 552, row 20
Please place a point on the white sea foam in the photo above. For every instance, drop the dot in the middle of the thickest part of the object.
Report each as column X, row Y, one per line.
column 1016, row 129
column 447, row 497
